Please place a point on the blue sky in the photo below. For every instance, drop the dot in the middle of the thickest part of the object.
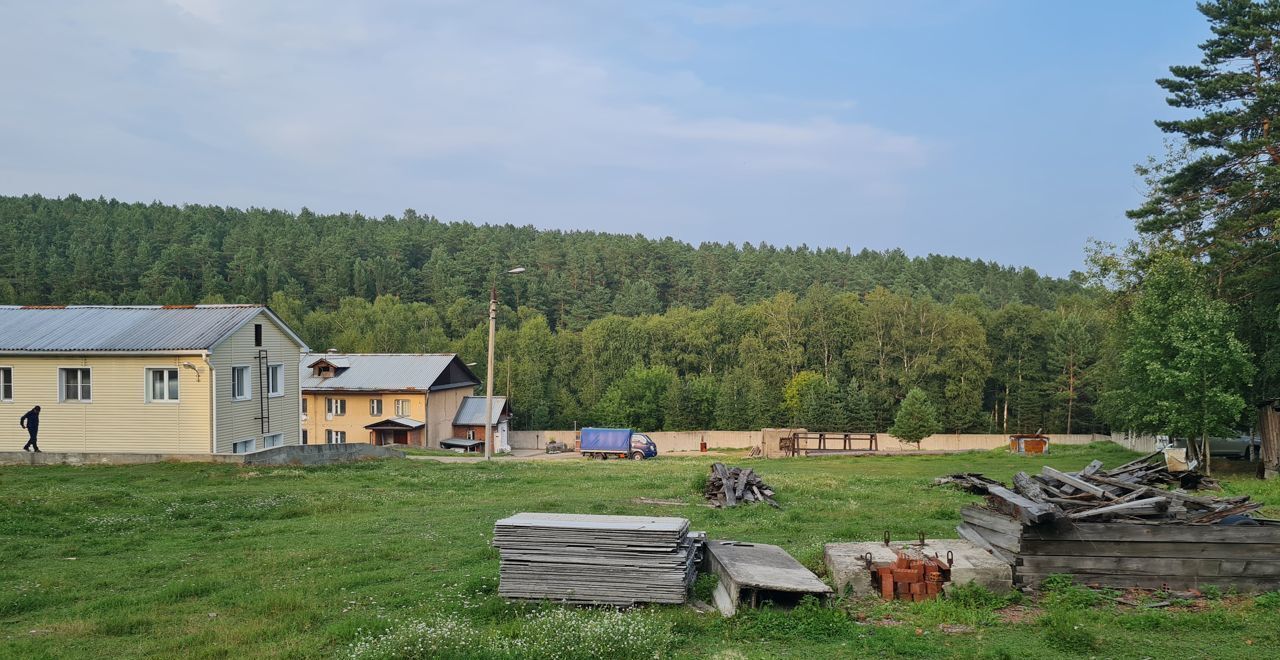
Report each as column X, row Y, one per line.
column 1001, row 130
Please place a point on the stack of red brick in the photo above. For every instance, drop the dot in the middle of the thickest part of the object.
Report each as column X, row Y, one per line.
column 913, row 578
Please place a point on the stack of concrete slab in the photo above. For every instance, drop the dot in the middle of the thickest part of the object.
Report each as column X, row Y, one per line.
column 595, row 560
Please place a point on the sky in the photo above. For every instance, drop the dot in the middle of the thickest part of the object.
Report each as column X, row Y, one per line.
column 999, row 130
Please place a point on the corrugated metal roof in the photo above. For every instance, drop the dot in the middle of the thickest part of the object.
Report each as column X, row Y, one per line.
column 471, row 411
column 407, row 422
column 85, row 328
column 380, row 371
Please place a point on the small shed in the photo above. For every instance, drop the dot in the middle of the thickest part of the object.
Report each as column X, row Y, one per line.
column 1029, row 443
column 469, row 424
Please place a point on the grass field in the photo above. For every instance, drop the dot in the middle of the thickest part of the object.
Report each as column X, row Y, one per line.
column 392, row 558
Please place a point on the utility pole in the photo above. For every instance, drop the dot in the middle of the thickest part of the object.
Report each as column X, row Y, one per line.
column 489, row 426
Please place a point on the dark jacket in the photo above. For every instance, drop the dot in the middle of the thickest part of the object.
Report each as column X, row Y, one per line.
column 31, row 420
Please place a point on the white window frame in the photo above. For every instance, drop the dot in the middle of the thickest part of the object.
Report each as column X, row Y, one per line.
column 62, row 385
column 375, row 403
column 335, row 406
column 253, row 446
column 6, row 382
column 331, row 437
column 248, row 382
column 146, row 385
column 268, row 443
column 408, row 406
column 276, row 388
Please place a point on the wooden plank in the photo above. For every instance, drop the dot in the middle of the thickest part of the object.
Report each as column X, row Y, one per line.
column 1010, row 542
column 1169, row 533
column 743, row 478
column 1024, row 484
column 1032, row 547
column 1155, row 566
column 1114, row 508
column 1176, row 583
column 969, row 534
column 990, row 519
column 1027, row 510
column 1075, row 482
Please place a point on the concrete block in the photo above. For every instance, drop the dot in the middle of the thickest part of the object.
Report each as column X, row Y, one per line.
column 847, row 567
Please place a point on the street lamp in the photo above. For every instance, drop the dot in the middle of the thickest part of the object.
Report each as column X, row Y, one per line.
column 488, row 381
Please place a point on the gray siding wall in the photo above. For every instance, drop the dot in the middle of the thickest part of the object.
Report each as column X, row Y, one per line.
column 237, row 420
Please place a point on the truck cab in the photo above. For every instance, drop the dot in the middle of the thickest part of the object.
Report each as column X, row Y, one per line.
column 641, row 443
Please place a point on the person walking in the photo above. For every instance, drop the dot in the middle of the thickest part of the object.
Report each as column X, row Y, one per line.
column 31, row 422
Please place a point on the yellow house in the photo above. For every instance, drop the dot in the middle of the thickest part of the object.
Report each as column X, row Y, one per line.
column 382, row 398
column 145, row 379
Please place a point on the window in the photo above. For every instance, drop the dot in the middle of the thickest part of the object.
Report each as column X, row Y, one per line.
column 76, row 385
column 335, row 437
column 304, row 405
column 402, row 407
column 244, row 446
column 162, row 385
column 471, row 434
column 273, row 440
column 257, row 335
column 241, row 388
column 6, row 383
column 375, row 407
column 275, row 380
column 335, row 406
column 304, row 436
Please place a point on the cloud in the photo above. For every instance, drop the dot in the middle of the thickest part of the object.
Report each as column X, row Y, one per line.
column 495, row 111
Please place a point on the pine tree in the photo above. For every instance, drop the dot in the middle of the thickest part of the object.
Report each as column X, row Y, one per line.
column 917, row 419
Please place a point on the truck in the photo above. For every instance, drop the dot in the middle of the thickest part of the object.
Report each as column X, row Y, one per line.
column 604, row 444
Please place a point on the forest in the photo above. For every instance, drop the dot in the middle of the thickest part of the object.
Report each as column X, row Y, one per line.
column 605, row 328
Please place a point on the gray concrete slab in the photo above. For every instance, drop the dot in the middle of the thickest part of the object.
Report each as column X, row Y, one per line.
column 846, row 564
column 750, row 570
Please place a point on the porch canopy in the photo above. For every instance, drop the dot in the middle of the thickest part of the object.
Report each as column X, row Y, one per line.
column 396, row 424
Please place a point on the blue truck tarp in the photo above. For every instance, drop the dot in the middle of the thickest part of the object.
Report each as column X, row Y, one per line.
column 618, row 440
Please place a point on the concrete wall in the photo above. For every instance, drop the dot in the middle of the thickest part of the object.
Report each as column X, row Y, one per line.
column 119, row 417
column 1145, row 444
column 237, row 420
column 669, row 441
column 288, row 455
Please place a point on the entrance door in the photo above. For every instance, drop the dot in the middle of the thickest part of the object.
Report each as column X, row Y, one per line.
column 401, row 437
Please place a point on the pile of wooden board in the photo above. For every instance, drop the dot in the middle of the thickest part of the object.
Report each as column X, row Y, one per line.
column 596, row 560
column 1120, row 528
column 1131, row 492
column 729, row 486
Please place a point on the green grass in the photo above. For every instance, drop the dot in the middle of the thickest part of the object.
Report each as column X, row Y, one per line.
column 392, row 559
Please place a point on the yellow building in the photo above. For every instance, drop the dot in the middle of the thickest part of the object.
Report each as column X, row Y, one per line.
column 382, row 398
column 189, row 379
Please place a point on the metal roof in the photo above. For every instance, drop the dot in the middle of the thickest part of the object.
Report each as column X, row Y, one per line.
column 93, row 328
column 388, row 371
column 471, row 411
column 406, row 422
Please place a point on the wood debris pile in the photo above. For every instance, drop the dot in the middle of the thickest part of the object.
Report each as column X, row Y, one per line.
column 729, row 486
column 1130, row 493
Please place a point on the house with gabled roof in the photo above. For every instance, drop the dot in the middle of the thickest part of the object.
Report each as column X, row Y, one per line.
column 177, row 379
column 382, row 398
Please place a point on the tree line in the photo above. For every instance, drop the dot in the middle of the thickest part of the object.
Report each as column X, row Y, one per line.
column 603, row 328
